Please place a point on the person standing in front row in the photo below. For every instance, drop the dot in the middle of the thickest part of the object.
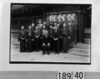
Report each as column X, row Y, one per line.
column 51, row 32
column 45, row 41
column 33, row 36
column 56, row 37
column 37, row 38
column 22, row 39
column 65, row 37
column 29, row 40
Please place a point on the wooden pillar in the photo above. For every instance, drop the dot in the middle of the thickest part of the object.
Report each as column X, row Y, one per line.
column 80, row 29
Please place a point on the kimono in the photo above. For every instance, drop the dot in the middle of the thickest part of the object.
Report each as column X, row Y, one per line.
column 45, row 41
column 56, row 38
column 22, row 39
column 71, row 35
column 37, row 40
column 33, row 37
column 51, row 32
column 74, row 34
column 29, row 41
column 65, row 39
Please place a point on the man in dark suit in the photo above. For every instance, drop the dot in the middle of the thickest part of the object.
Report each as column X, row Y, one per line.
column 22, row 39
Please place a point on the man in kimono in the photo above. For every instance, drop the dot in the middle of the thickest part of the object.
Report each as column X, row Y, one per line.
column 45, row 41
column 74, row 33
column 29, row 40
column 37, row 39
column 22, row 39
column 65, row 37
column 60, row 36
column 51, row 32
column 70, row 27
column 33, row 35
column 56, row 37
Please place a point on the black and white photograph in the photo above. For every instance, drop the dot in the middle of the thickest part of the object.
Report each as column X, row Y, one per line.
column 50, row 33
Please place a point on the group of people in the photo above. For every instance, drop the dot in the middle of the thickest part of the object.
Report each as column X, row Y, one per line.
column 54, row 37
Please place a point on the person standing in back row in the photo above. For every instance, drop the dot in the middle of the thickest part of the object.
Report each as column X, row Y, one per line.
column 33, row 36
column 70, row 27
column 56, row 37
column 65, row 38
column 51, row 32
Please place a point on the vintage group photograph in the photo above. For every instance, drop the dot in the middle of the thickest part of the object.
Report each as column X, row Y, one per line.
column 50, row 33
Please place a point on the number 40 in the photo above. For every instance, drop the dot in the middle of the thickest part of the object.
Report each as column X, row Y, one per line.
column 79, row 75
